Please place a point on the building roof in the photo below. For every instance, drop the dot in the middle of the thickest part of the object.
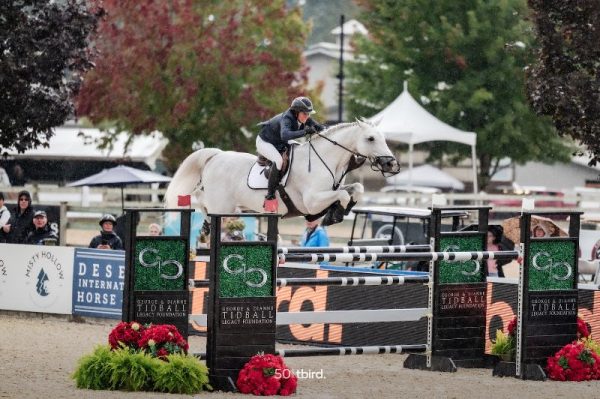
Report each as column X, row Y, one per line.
column 351, row 27
column 75, row 142
column 331, row 50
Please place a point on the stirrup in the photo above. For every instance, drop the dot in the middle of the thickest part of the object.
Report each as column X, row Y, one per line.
column 271, row 205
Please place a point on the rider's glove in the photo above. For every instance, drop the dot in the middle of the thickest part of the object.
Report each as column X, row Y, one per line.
column 309, row 130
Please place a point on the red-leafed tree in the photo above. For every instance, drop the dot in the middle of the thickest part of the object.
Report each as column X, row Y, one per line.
column 196, row 72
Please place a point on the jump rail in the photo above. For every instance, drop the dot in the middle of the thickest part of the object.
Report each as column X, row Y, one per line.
column 335, row 281
column 355, row 249
column 344, row 351
column 416, row 256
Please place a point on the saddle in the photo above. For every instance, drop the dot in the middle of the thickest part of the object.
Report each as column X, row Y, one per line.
column 266, row 163
column 258, row 177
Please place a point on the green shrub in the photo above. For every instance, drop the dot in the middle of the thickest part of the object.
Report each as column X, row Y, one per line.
column 504, row 344
column 132, row 371
column 182, row 374
column 93, row 370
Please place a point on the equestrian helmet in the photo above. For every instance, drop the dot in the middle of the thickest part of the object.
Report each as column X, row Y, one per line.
column 302, row 104
column 108, row 218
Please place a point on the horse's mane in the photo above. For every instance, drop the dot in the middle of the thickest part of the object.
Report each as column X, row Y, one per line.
column 339, row 126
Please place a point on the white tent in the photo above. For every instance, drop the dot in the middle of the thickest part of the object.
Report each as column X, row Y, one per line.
column 427, row 176
column 406, row 121
column 72, row 141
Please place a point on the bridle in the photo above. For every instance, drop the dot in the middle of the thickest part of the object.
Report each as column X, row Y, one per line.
column 359, row 159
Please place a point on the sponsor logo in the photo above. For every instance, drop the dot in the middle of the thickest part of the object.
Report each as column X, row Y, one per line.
column 45, row 278
column 561, row 270
column 156, row 261
column 247, row 274
column 477, row 265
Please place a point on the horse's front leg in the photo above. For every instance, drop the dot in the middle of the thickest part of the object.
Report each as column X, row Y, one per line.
column 356, row 190
column 315, row 202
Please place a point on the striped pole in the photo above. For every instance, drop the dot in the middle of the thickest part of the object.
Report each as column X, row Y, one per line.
column 416, row 256
column 355, row 249
column 336, row 281
column 344, row 351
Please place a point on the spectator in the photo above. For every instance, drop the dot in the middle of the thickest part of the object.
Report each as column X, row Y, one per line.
column 21, row 221
column 154, row 229
column 497, row 242
column 4, row 218
column 314, row 235
column 107, row 239
column 19, row 178
column 595, row 251
column 234, row 230
column 539, row 232
column 43, row 233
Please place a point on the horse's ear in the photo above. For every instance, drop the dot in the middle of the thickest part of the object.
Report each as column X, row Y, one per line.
column 364, row 122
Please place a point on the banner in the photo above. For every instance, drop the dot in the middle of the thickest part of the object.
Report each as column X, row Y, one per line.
column 36, row 278
column 98, row 279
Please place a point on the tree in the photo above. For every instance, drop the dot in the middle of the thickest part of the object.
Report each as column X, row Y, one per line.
column 43, row 54
column 467, row 59
column 564, row 82
column 197, row 73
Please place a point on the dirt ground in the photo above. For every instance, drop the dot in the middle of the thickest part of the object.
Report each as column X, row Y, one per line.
column 38, row 354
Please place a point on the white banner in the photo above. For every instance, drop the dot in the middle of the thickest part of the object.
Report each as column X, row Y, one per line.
column 36, row 278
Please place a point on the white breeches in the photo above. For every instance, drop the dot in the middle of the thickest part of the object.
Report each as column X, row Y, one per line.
column 269, row 151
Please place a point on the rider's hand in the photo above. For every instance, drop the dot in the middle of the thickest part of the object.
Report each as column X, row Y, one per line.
column 309, row 130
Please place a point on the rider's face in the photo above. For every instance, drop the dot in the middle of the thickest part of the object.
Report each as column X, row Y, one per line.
column 303, row 116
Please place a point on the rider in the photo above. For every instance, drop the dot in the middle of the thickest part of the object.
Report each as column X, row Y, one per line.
column 274, row 136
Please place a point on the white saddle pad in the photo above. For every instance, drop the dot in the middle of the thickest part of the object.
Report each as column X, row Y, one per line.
column 257, row 179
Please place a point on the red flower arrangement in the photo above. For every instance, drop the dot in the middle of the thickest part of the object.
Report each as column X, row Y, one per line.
column 125, row 335
column 267, row 375
column 161, row 340
column 574, row 362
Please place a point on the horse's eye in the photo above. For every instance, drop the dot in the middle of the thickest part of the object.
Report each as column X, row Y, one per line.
column 371, row 138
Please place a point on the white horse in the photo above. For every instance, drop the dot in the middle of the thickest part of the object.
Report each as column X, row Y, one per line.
column 219, row 178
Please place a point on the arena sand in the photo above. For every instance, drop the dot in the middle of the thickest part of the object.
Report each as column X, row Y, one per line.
column 38, row 354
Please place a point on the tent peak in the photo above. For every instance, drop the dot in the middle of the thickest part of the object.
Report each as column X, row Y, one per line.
column 405, row 85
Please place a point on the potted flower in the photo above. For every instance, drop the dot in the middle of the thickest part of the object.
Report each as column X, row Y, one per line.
column 161, row 340
column 143, row 358
column 266, row 375
column 125, row 335
column 504, row 346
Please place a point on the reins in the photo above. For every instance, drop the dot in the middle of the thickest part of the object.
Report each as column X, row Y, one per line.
column 359, row 160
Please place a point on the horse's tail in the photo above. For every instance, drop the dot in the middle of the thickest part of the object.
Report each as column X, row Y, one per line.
column 188, row 175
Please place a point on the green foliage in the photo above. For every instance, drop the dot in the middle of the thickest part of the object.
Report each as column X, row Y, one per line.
column 196, row 71
column 504, row 344
column 466, row 59
column 564, row 81
column 591, row 345
column 43, row 54
column 93, row 370
column 182, row 374
column 132, row 371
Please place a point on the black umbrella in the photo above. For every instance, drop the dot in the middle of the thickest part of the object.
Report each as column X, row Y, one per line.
column 120, row 176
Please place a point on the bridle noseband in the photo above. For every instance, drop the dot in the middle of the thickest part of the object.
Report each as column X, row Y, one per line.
column 375, row 162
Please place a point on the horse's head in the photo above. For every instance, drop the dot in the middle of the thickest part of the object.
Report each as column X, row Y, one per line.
column 371, row 143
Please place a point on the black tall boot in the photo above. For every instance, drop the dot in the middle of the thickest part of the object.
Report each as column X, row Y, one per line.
column 273, row 182
column 271, row 205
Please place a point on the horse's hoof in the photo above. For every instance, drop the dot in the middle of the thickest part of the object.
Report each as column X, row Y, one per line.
column 271, row 206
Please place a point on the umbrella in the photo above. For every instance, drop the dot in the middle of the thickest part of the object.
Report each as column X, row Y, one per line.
column 512, row 227
column 120, row 176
